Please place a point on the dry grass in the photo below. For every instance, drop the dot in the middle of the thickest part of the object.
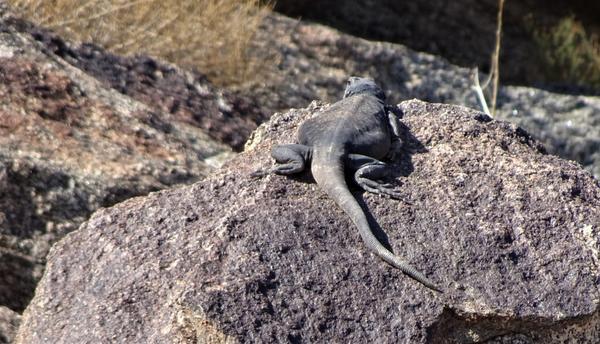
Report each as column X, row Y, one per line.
column 212, row 36
column 569, row 53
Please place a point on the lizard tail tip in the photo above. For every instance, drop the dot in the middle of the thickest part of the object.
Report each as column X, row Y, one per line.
column 438, row 289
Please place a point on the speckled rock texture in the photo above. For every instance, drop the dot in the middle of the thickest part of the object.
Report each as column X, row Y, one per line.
column 69, row 145
column 510, row 232
column 9, row 322
column 314, row 61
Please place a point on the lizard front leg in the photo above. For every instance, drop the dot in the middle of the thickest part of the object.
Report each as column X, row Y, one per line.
column 291, row 158
column 394, row 114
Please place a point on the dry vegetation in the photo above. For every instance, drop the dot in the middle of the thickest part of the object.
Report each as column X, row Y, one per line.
column 212, row 36
column 570, row 53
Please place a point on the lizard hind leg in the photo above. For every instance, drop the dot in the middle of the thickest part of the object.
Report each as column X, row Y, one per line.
column 370, row 175
column 291, row 158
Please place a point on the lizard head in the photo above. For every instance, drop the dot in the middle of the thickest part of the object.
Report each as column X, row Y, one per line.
column 357, row 85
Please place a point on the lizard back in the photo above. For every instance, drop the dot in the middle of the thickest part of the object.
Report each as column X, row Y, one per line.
column 356, row 124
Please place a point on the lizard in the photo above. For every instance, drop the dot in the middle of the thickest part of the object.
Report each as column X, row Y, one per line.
column 353, row 135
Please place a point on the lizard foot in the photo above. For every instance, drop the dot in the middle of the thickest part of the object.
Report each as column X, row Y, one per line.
column 369, row 178
column 378, row 187
column 259, row 173
column 289, row 168
column 290, row 159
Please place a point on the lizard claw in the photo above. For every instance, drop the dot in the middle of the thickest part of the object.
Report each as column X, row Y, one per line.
column 259, row 173
column 373, row 186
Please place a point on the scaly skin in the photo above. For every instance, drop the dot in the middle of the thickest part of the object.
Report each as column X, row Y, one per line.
column 352, row 134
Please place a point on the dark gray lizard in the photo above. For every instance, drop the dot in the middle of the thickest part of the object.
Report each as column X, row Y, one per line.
column 353, row 135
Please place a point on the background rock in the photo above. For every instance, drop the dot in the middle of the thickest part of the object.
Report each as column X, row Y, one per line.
column 462, row 31
column 510, row 232
column 70, row 144
column 9, row 322
column 183, row 96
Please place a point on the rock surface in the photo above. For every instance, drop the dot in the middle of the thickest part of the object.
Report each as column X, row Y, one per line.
column 314, row 62
column 70, row 144
column 9, row 322
column 510, row 232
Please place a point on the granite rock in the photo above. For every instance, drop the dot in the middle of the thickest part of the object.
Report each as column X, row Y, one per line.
column 509, row 231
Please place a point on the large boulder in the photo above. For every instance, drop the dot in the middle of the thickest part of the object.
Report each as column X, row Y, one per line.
column 510, row 232
column 70, row 143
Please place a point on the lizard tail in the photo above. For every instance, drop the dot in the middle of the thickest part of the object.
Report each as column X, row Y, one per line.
column 330, row 177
